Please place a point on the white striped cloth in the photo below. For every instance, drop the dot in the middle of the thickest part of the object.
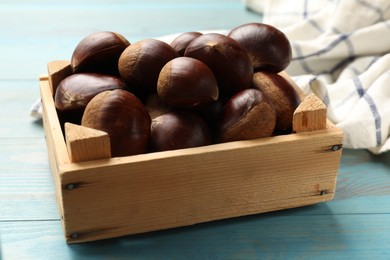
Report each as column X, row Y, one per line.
column 341, row 52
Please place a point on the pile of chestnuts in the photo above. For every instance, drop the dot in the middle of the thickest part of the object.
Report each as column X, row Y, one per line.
column 198, row 90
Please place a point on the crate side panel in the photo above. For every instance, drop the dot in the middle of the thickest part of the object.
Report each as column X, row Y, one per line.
column 52, row 127
column 183, row 190
column 56, row 153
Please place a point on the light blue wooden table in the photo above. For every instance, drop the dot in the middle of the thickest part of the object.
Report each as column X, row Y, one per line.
column 355, row 225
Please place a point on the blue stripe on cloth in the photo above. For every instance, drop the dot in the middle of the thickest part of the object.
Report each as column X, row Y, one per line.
column 315, row 25
column 340, row 39
column 305, row 9
column 374, row 59
column 351, row 50
column 373, row 108
column 358, row 85
column 340, row 65
column 302, row 62
column 357, row 72
column 325, row 98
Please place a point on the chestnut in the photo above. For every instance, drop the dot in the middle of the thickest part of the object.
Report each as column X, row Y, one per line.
column 178, row 129
column 155, row 106
column 211, row 114
column 282, row 95
column 268, row 48
column 75, row 91
column 141, row 63
column 99, row 52
column 247, row 115
column 123, row 117
column 187, row 83
column 180, row 43
column 226, row 58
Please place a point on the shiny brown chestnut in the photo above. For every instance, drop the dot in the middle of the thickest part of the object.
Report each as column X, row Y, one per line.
column 141, row 63
column 126, row 120
column 268, row 48
column 211, row 114
column 99, row 52
column 178, row 129
column 155, row 106
column 75, row 91
column 186, row 82
column 226, row 58
column 247, row 115
column 180, row 43
column 282, row 96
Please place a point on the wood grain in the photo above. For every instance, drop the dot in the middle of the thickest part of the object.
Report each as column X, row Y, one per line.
column 86, row 144
column 310, row 115
column 58, row 70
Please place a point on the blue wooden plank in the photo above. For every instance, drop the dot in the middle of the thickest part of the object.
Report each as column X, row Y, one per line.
column 269, row 236
column 16, row 99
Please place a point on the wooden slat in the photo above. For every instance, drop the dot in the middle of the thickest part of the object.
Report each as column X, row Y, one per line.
column 57, row 151
column 86, row 144
column 310, row 115
column 178, row 188
column 363, row 186
column 58, row 70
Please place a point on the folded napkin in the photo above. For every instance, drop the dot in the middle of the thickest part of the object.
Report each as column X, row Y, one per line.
column 341, row 52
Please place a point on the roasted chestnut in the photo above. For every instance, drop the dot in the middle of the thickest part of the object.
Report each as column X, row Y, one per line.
column 123, row 117
column 282, row 96
column 141, row 63
column 226, row 58
column 268, row 48
column 187, row 83
column 247, row 115
column 99, row 52
column 180, row 43
column 178, row 130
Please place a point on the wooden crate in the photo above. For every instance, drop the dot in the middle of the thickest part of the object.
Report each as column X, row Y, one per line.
column 113, row 197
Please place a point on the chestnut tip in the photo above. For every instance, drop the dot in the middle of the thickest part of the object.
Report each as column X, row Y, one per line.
column 225, row 57
column 178, row 129
column 268, row 48
column 186, row 82
column 140, row 63
column 247, row 115
column 99, row 52
column 282, row 96
column 181, row 42
column 123, row 117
